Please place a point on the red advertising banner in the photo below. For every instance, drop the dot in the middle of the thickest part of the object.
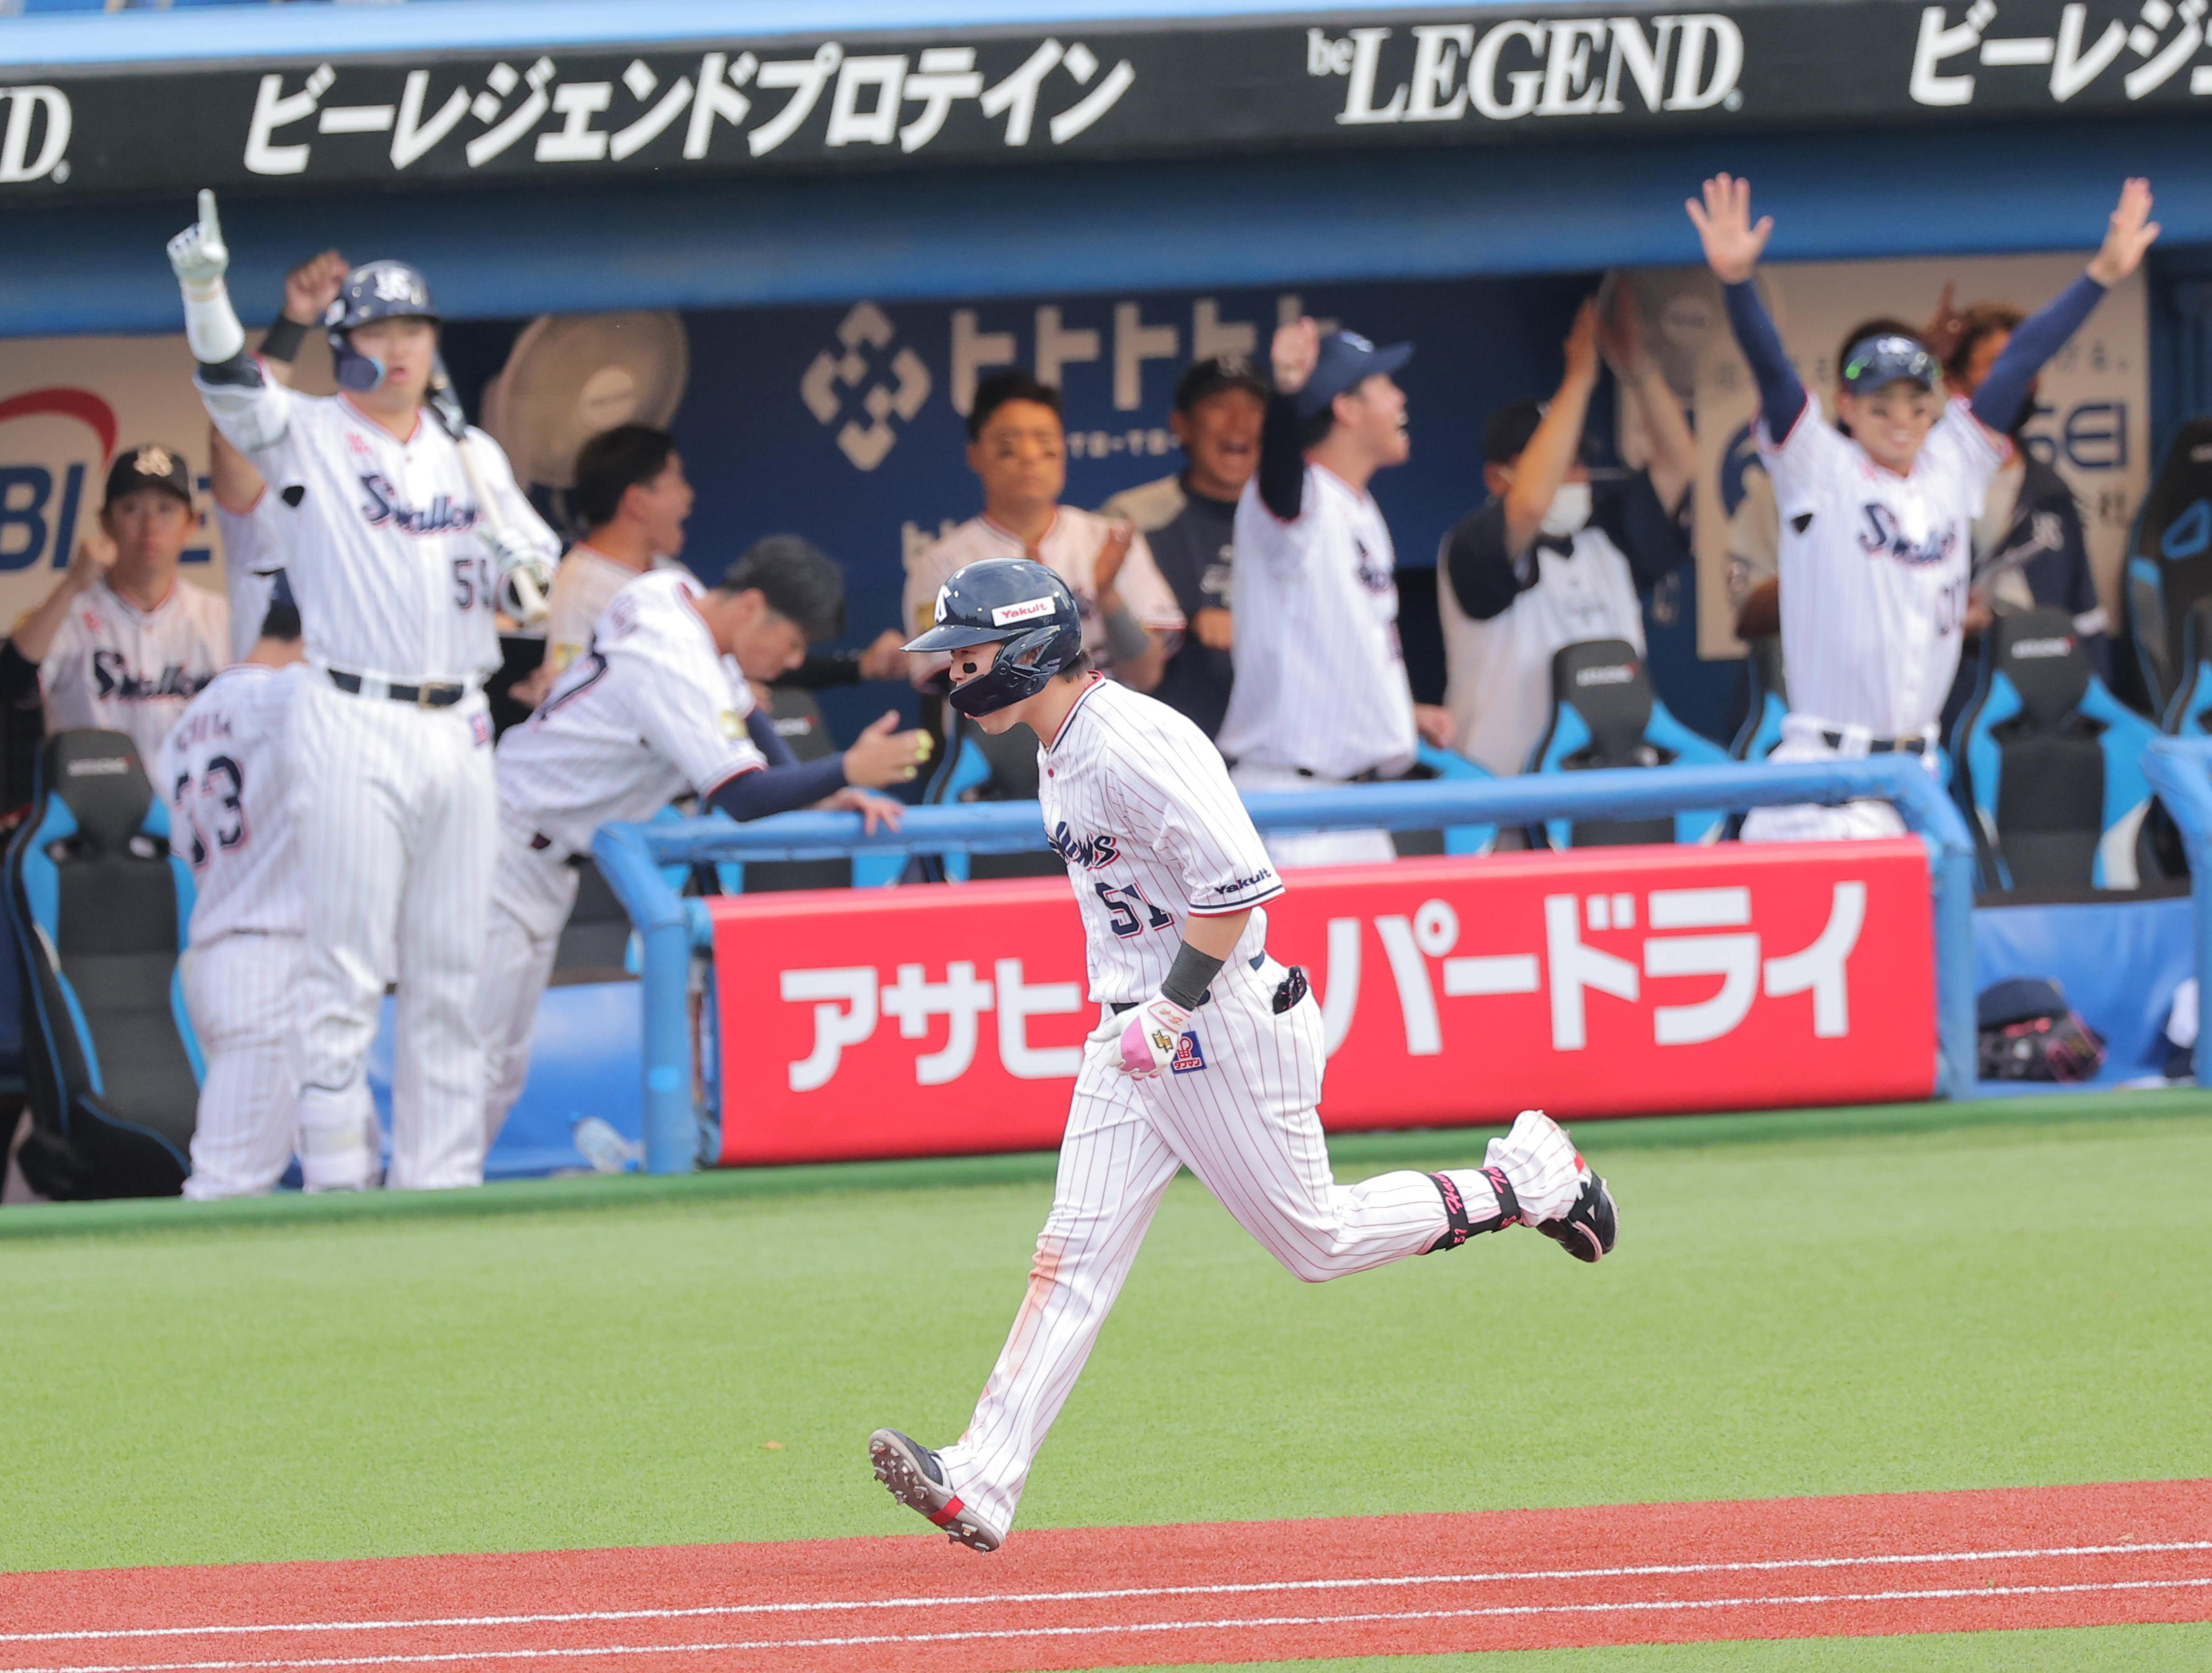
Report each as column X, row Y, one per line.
column 947, row 1019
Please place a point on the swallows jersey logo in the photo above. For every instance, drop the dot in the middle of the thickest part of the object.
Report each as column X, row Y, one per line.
column 1088, row 852
column 384, row 506
column 1881, row 532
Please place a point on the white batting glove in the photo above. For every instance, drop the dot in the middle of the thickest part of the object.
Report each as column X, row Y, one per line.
column 1150, row 1036
column 525, row 575
column 198, row 253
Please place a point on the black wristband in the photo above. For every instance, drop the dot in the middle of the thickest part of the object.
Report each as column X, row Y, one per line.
column 1189, row 977
column 282, row 341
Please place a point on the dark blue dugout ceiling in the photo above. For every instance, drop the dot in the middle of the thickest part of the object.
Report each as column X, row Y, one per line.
column 1883, row 191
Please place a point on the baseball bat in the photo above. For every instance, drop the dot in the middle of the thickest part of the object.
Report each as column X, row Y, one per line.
column 528, row 600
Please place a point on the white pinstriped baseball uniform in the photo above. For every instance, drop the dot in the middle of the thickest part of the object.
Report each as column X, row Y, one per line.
column 653, row 711
column 397, row 807
column 1138, row 806
column 122, row 669
column 1069, row 548
column 583, row 586
column 1874, row 569
column 1320, row 694
column 228, row 783
column 254, row 545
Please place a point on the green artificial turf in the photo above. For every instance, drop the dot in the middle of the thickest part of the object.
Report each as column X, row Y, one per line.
column 1799, row 1309
column 2169, row 1649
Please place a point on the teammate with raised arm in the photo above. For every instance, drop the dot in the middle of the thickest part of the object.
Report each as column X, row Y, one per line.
column 1207, row 1053
column 396, row 562
column 1877, row 526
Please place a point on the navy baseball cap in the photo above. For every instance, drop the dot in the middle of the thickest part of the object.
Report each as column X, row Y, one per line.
column 1210, row 376
column 1876, row 362
column 150, row 467
column 1347, row 360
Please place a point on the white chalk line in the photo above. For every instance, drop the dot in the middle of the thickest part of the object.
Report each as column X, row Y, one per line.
column 1337, row 1584
column 863, row 1640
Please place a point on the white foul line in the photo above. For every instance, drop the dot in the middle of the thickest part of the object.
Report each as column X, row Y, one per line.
column 979, row 1635
column 572, row 1617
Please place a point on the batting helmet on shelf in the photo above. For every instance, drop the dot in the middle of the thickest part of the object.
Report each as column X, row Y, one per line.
column 374, row 291
column 1017, row 604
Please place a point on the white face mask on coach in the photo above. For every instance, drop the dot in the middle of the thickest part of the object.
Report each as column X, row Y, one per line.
column 1570, row 510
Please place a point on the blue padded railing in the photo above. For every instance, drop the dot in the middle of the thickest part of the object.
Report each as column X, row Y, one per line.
column 671, row 927
column 2180, row 770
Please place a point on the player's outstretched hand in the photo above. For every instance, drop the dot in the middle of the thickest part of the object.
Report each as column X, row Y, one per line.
column 2129, row 233
column 1733, row 244
column 93, row 559
column 1434, row 722
column 885, row 656
column 876, row 813
column 313, row 286
column 1620, row 330
column 1295, row 348
column 880, row 756
column 1581, row 346
column 1106, row 568
column 198, row 253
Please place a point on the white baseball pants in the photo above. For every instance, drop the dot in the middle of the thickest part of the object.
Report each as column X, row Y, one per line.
column 532, row 896
column 1852, row 821
column 395, row 813
column 1246, row 1125
column 243, row 992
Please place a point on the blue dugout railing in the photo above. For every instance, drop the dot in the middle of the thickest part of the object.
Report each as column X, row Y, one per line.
column 672, row 927
column 2180, row 770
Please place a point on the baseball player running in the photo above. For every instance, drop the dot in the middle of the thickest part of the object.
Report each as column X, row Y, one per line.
column 1207, row 1053
column 659, row 707
column 228, row 781
column 405, row 532
column 1877, row 526
column 122, row 641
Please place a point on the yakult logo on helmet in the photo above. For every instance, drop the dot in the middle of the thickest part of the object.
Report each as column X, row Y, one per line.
column 1029, row 609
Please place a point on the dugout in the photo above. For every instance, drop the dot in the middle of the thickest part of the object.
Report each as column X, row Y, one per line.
column 1107, row 184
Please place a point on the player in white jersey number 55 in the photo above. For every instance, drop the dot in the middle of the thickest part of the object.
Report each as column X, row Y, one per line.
column 1207, row 1053
column 408, row 524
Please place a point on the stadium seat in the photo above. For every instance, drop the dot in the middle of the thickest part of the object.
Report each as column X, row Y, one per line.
column 99, row 906
column 2053, row 766
column 1605, row 713
column 2190, row 713
column 2169, row 568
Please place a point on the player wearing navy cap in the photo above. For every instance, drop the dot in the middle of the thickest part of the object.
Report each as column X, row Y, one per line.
column 1322, row 695
column 1877, row 526
column 122, row 641
column 1207, row 1054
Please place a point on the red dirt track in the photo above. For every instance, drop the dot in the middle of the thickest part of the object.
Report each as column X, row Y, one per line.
column 1226, row 1592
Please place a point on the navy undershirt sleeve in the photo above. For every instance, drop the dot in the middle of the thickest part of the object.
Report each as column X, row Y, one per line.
column 2034, row 340
column 766, row 790
column 1781, row 396
column 1282, row 462
column 768, row 740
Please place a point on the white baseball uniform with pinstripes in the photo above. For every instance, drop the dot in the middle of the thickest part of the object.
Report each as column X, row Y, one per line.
column 651, row 711
column 1320, row 694
column 253, row 548
column 228, row 784
column 1139, row 806
column 397, row 811
column 122, row 669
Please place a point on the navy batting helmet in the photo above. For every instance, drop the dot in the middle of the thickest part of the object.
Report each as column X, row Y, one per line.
column 374, row 291
column 1876, row 362
column 1020, row 607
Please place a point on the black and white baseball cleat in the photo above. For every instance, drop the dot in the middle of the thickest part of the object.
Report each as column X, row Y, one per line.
column 1587, row 1229
column 915, row 1476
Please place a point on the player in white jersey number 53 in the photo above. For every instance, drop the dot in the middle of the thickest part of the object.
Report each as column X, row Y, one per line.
column 407, row 527
column 1207, row 1053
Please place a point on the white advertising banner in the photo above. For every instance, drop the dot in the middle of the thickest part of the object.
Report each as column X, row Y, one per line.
column 2093, row 417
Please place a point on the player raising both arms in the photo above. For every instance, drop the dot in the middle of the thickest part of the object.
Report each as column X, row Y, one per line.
column 1207, row 1053
column 392, row 563
column 1877, row 526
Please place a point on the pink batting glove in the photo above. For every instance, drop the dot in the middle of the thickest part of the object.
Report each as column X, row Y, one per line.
column 1150, row 1038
